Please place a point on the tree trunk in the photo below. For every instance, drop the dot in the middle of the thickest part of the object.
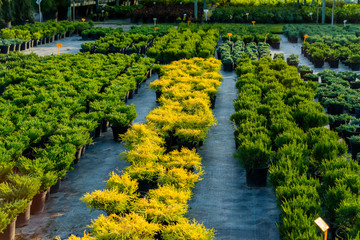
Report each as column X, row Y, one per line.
column 323, row 11
column 332, row 14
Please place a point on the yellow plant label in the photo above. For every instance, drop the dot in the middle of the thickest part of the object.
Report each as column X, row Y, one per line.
column 321, row 224
column 83, row 19
column 59, row 45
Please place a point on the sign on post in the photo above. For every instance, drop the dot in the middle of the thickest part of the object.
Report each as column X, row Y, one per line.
column 323, row 226
column 247, row 16
column 229, row 34
column 266, row 37
column 253, row 22
column 59, row 45
column 38, row 2
column 83, row 19
column 156, row 28
column 305, row 36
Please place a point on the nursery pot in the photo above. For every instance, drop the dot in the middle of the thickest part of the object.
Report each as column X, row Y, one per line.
column 98, row 130
column 12, row 47
column 145, row 186
column 9, row 232
column 335, row 109
column 355, row 149
column 275, row 45
column 303, row 73
column 23, row 46
column 78, row 155
column 104, row 126
column 55, row 188
column 357, row 112
column 334, row 63
column 319, row 63
column 158, row 95
column 119, row 130
column 293, row 39
column 355, row 85
column 228, row 67
column 212, row 101
column 4, row 49
column 256, row 177
column 355, row 66
column 38, row 203
column 24, row 218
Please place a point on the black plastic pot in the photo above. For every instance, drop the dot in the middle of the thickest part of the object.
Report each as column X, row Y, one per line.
column 104, row 126
column 188, row 145
column 23, row 46
column 4, row 49
column 228, row 67
column 144, row 186
column 24, row 218
column 256, row 177
column 275, row 45
column 357, row 112
column 355, row 66
column 212, row 101
column 302, row 73
column 355, row 85
column 319, row 63
column 117, row 131
column 334, row 63
column 335, row 109
column 98, row 130
column 355, row 149
column 13, row 47
column 293, row 39
column 158, row 95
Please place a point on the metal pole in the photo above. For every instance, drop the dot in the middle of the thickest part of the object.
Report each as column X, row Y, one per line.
column 40, row 13
column 323, row 11
column 204, row 4
column 195, row 9
column 74, row 10
column 332, row 15
column 317, row 11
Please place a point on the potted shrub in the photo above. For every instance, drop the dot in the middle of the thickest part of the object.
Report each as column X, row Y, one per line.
column 335, row 106
column 319, row 59
column 311, row 77
column 120, row 119
column 355, row 62
column 255, row 156
column 293, row 60
column 275, row 41
column 228, row 63
column 5, row 46
column 279, row 55
column 354, row 146
column 337, row 120
column 333, row 57
column 302, row 69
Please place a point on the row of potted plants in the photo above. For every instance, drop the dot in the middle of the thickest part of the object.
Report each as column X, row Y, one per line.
column 98, row 32
column 230, row 53
column 183, row 43
column 52, row 107
column 148, row 199
column 26, row 36
column 279, row 123
column 127, row 43
column 342, row 104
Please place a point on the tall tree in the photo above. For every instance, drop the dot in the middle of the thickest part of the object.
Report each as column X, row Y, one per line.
column 7, row 11
column 23, row 11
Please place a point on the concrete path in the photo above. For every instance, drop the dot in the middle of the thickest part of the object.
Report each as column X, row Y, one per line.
column 65, row 213
column 288, row 48
column 222, row 200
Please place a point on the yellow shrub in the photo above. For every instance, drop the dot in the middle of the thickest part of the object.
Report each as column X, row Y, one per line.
column 131, row 226
column 146, row 152
column 108, row 200
column 185, row 158
column 139, row 133
column 180, row 178
column 169, row 194
column 186, row 231
column 159, row 212
column 145, row 171
column 122, row 184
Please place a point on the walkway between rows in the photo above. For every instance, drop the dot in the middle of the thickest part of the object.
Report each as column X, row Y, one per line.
column 222, row 200
column 65, row 213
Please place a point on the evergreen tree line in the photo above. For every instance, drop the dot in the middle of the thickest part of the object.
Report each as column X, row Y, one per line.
column 21, row 11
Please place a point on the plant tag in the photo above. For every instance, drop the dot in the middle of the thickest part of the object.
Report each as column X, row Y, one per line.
column 59, row 45
column 83, row 19
column 321, row 224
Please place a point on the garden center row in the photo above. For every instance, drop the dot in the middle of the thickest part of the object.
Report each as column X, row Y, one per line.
column 278, row 125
